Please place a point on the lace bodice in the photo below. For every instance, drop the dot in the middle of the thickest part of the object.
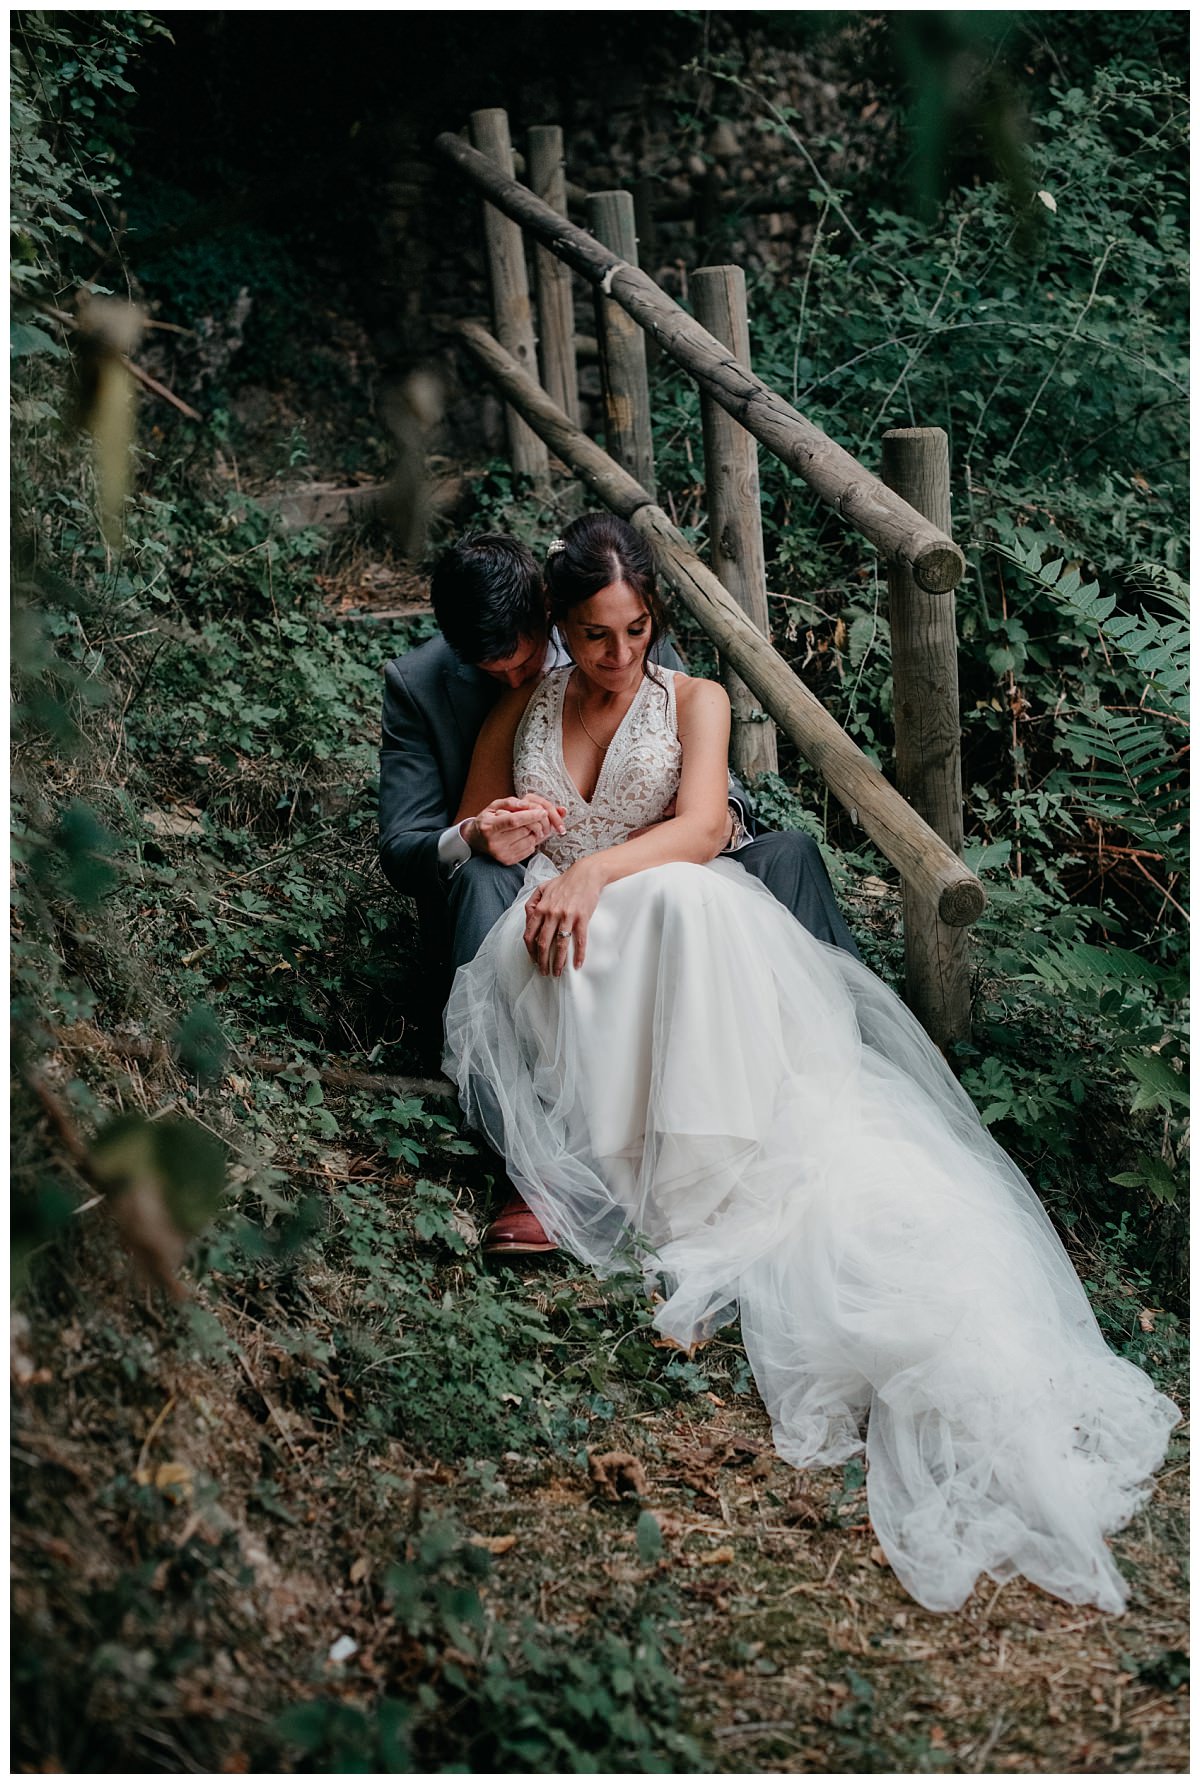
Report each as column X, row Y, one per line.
column 638, row 780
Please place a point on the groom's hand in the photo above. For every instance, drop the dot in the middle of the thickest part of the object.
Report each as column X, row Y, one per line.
column 510, row 830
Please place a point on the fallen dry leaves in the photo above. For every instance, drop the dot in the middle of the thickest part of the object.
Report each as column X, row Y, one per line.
column 616, row 1474
column 696, row 1465
column 495, row 1545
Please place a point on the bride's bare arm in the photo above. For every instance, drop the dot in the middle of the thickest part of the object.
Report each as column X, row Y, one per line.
column 700, row 823
column 494, row 821
column 695, row 833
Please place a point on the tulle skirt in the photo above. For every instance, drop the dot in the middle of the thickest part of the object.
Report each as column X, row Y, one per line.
column 764, row 1121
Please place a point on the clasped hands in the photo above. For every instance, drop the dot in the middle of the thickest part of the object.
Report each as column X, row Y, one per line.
column 558, row 912
column 557, row 915
column 510, row 830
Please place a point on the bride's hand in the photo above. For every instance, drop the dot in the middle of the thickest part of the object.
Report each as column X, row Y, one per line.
column 557, row 917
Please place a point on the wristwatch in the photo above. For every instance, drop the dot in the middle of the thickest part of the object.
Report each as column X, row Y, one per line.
column 739, row 836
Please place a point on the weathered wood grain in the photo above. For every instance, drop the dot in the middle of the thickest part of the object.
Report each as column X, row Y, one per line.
column 556, row 310
column 735, row 511
column 622, row 346
column 511, row 310
column 916, row 464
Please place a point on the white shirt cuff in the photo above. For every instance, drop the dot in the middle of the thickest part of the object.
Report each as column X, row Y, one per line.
column 453, row 848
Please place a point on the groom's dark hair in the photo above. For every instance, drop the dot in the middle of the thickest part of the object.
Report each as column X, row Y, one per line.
column 487, row 596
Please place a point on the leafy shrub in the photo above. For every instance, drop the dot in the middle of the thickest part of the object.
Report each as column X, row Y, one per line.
column 495, row 1699
column 201, row 270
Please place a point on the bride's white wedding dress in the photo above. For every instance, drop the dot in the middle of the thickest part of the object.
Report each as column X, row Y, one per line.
column 778, row 1131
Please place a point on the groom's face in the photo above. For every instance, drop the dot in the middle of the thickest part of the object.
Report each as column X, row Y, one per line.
column 522, row 666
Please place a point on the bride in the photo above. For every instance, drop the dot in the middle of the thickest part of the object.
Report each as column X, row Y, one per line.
column 664, row 1056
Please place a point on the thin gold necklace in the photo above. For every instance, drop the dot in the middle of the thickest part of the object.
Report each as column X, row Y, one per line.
column 602, row 747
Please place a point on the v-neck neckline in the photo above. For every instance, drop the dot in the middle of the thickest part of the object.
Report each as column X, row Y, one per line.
column 562, row 755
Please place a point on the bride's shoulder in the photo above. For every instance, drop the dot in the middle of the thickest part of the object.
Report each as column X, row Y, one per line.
column 537, row 701
column 695, row 693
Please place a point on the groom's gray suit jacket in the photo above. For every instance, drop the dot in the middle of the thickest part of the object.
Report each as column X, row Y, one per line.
column 433, row 709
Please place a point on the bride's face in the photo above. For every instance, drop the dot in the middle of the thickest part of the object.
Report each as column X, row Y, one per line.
column 608, row 635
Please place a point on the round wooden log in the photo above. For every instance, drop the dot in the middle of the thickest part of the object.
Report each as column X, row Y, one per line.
column 735, row 511
column 556, row 309
column 622, row 346
column 907, row 841
column 916, row 464
column 511, row 310
column 913, row 848
column 880, row 515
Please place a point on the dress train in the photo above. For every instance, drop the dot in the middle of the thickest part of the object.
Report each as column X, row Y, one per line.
column 783, row 1139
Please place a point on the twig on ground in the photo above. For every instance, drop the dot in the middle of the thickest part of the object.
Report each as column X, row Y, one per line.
column 168, row 396
column 155, row 1052
column 739, row 1730
column 984, row 1754
column 153, row 1432
column 276, row 1415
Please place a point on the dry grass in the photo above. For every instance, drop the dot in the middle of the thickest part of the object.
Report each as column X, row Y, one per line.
column 797, row 1649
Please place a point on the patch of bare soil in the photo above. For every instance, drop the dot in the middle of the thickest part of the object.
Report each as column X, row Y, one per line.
column 371, row 581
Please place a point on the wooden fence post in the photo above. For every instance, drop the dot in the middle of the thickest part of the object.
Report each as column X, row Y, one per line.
column 510, row 288
column 556, row 309
column 735, row 510
column 916, row 464
column 622, row 347
column 643, row 190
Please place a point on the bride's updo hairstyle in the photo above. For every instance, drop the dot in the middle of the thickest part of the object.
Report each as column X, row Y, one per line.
column 595, row 551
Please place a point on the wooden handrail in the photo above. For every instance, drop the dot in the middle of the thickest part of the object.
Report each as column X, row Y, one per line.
column 916, row 850
column 898, row 530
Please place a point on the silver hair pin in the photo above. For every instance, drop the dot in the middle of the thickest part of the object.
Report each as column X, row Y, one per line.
column 555, row 546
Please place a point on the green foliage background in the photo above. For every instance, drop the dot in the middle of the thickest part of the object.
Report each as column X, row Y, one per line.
column 1039, row 321
column 193, row 807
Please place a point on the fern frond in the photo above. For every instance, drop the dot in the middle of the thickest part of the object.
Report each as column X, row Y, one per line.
column 1156, row 649
column 1088, row 972
column 1127, row 771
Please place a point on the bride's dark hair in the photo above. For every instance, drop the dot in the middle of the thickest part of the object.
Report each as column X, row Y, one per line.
column 595, row 551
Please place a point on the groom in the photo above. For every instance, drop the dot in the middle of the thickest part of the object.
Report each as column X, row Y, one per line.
column 489, row 602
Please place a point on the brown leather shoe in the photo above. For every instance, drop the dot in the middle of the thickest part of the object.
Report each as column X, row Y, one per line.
column 516, row 1229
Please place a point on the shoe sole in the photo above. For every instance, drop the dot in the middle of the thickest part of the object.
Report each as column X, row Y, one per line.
column 516, row 1249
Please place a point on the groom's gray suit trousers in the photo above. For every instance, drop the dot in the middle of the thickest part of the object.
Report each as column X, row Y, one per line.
column 788, row 863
